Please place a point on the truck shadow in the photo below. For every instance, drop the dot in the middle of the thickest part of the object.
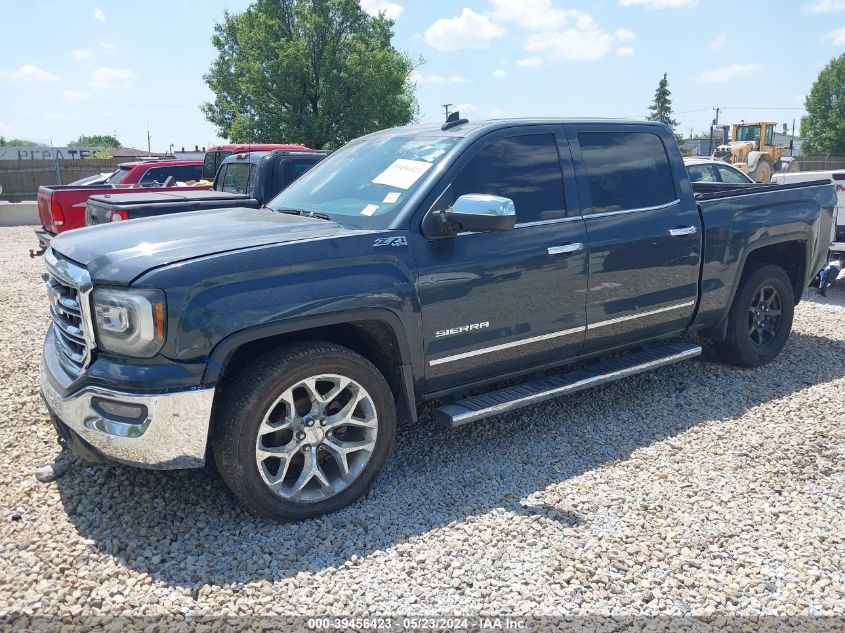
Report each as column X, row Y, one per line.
column 185, row 529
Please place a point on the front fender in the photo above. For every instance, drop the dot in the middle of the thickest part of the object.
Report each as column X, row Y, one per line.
column 223, row 351
column 214, row 298
column 754, row 158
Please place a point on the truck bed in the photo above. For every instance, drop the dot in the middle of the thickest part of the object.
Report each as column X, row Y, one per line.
column 797, row 215
column 717, row 190
column 147, row 204
column 62, row 207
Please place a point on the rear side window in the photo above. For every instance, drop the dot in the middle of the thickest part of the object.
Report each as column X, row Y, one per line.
column 626, row 170
column 525, row 169
column 180, row 173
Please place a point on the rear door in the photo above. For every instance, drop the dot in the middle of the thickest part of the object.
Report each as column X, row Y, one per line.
column 644, row 234
column 493, row 303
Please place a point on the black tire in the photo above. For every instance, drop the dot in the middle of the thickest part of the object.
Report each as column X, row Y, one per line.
column 251, row 395
column 742, row 347
column 762, row 173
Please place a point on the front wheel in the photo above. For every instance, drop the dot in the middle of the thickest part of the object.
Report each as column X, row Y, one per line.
column 304, row 431
column 762, row 173
column 760, row 318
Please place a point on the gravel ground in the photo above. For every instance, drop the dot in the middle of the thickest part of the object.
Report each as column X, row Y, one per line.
column 697, row 489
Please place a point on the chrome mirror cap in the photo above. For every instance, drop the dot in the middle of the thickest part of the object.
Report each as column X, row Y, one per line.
column 482, row 212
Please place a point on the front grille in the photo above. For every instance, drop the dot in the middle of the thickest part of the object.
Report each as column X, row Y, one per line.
column 67, row 311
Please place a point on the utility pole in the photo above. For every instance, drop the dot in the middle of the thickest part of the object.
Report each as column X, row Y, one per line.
column 149, row 151
column 792, row 140
column 446, row 107
column 714, row 124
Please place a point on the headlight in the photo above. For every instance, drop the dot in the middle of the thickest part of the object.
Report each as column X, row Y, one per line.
column 130, row 322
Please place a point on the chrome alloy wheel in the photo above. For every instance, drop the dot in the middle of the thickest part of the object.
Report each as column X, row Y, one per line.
column 316, row 438
column 764, row 315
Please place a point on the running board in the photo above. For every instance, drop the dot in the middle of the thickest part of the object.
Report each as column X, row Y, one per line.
column 527, row 394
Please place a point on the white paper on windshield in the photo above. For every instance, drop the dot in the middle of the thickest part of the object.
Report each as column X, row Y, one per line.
column 402, row 173
column 392, row 197
column 369, row 209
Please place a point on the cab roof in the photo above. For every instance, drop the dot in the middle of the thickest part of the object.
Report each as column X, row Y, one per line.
column 470, row 128
column 159, row 163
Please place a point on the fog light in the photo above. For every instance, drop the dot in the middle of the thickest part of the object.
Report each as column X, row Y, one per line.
column 122, row 410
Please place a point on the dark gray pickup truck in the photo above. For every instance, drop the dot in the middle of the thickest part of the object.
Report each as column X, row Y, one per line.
column 411, row 265
column 249, row 179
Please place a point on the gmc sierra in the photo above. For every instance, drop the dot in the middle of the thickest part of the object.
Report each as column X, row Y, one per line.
column 411, row 265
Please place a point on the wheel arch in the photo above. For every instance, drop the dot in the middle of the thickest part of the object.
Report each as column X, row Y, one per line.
column 790, row 252
column 755, row 157
column 377, row 334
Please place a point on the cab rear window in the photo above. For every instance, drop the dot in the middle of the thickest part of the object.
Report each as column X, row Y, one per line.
column 236, row 178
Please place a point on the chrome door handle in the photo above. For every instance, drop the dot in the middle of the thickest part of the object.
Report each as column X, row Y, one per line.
column 683, row 230
column 574, row 247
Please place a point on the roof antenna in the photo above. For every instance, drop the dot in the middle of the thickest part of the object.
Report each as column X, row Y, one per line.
column 453, row 120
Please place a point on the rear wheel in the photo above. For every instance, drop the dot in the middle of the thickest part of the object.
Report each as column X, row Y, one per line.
column 305, row 431
column 760, row 318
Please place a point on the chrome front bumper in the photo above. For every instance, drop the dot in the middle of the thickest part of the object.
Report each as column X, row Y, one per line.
column 171, row 432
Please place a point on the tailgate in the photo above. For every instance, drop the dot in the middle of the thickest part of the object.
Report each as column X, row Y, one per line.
column 45, row 209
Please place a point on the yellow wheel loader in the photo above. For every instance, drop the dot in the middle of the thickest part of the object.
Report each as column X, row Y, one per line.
column 752, row 149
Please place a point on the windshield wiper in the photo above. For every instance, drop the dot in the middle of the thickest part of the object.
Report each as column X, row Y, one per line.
column 305, row 213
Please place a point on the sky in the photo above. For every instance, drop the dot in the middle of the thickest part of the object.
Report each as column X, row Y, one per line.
column 102, row 67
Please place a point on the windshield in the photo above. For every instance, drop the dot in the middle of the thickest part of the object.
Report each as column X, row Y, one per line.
column 365, row 182
column 748, row 133
column 117, row 177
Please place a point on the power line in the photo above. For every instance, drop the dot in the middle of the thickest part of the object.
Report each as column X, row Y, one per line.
column 756, row 108
column 46, row 97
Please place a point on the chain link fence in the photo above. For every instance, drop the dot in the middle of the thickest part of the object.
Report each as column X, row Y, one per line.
column 822, row 162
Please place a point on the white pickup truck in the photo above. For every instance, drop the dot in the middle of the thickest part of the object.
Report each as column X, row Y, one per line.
column 837, row 177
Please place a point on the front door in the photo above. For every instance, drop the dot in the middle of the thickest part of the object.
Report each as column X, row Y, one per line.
column 493, row 303
column 645, row 235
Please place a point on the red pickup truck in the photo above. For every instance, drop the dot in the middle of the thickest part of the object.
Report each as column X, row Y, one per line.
column 62, row 207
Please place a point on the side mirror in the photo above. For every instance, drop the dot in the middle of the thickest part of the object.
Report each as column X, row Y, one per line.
column 481, row 212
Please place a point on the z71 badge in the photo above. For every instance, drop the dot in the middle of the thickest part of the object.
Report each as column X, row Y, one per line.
column 391, row 241
column 472, row 327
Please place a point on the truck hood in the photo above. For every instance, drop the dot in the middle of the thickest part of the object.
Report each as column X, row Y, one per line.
column 118, row 253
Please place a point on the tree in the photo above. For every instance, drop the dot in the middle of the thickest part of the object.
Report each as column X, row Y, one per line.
column 661, row 107
column 319, row 72
column 96, row 140
column 20, row 142
column 823, row 129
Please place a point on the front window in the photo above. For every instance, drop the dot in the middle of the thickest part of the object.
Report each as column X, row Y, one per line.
column 748, row 133
column 701, row 173
column 525, row 169
column 730, row 175
column 367, row 181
